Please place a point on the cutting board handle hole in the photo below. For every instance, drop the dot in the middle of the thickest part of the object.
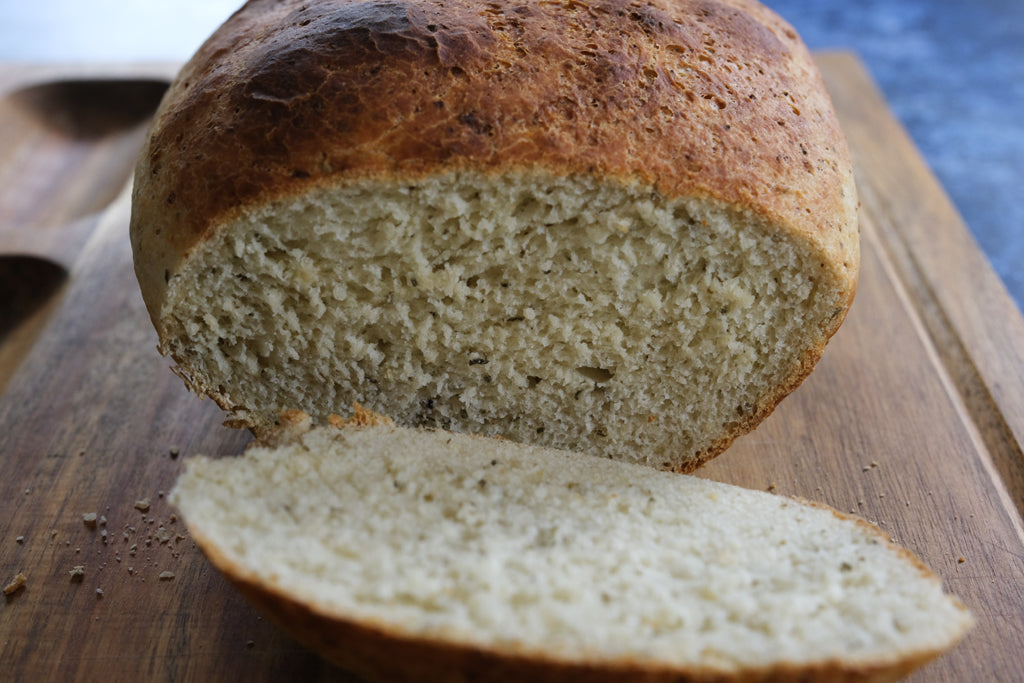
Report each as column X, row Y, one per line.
column 26, row 283
column 90, row 108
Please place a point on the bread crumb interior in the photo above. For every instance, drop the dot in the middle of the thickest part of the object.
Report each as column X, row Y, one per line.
column 560, row 311
column 482, row 541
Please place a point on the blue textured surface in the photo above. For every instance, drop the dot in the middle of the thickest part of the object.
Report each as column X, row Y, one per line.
column 953, row 73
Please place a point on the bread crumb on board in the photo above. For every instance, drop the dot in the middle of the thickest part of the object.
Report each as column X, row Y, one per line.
column 16, row 584
column 155, row 532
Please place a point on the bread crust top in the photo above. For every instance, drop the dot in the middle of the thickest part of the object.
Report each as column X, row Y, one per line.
column 715, row 99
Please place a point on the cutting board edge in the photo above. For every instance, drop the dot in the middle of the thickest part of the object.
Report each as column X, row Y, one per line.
column 980, row 353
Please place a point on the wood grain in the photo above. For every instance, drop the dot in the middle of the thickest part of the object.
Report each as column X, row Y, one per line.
column 969, row 317
column 68, row 141
column 914, row 420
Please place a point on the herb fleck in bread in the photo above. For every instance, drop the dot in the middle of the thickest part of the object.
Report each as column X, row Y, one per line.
column 625, row 228
column 428, row 555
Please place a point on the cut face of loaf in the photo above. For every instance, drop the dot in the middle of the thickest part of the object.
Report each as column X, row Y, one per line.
column 425, row 555
column 545, row 310
column 635, row 241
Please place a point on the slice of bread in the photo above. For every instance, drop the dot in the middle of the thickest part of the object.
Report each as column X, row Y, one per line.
column 406, row 554
column 624, row 228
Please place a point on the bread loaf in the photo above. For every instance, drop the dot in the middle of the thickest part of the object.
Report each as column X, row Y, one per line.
column 406, row 554
column 619, row 227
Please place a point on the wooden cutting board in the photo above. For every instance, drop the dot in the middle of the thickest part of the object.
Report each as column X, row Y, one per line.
column 914, row 419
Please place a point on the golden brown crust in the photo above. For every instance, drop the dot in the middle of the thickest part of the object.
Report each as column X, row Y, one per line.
column 361, row 417
column 704, row 98
column 292, row 424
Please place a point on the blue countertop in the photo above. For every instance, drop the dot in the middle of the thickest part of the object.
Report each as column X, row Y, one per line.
column 952, row 71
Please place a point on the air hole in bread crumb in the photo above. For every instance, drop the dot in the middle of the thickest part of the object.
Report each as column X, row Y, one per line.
column 598, row 375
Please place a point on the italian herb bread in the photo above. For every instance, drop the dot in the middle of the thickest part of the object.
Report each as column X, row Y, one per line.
column 405, row 554
column 624, row 228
